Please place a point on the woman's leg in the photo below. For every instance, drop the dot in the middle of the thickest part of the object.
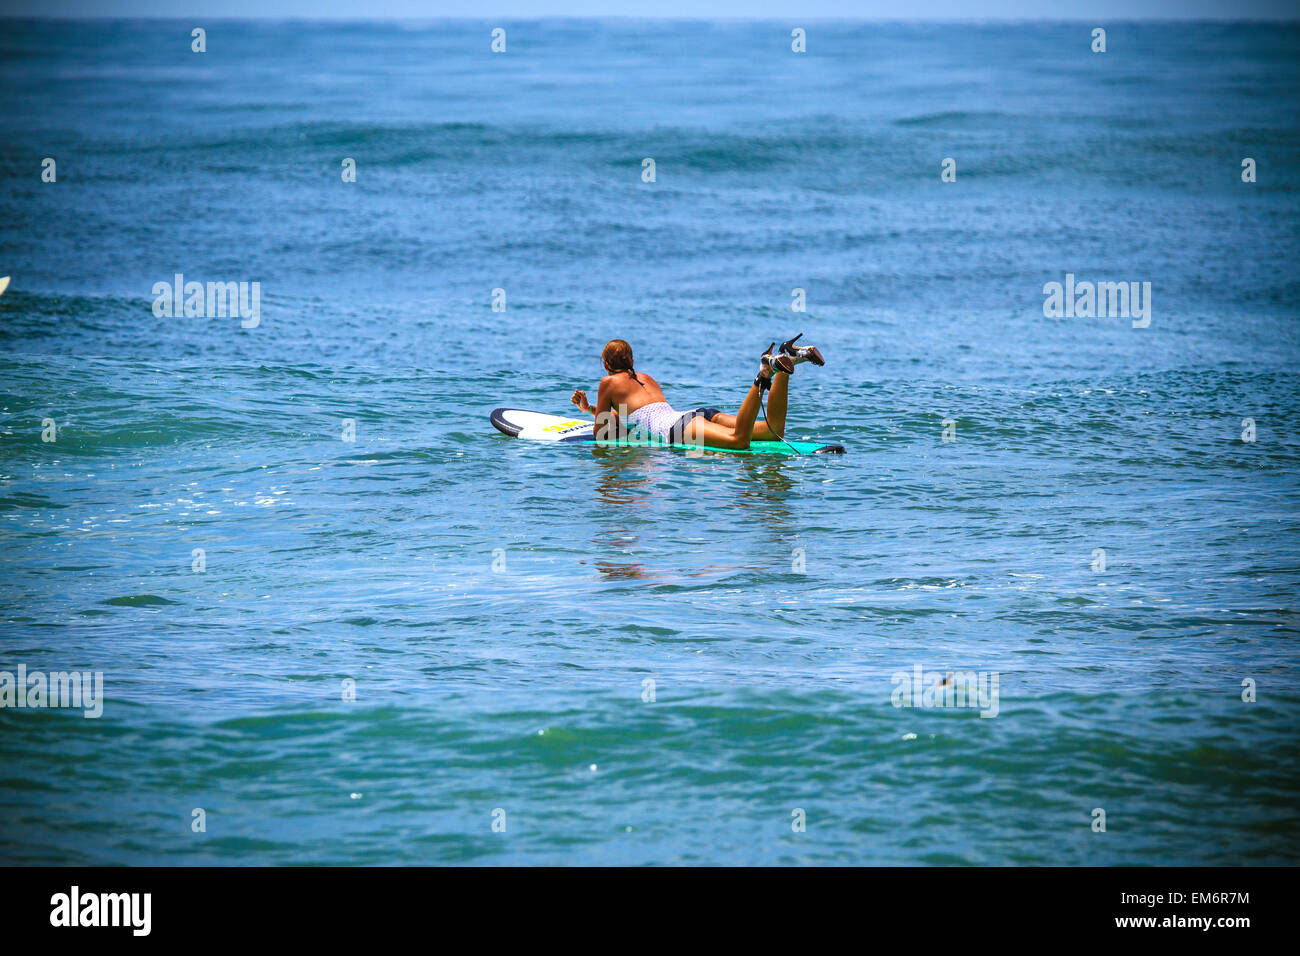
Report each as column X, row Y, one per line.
column 735, row 435
column 777, row 401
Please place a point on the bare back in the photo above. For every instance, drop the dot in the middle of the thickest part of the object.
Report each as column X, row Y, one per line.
column 621, row 392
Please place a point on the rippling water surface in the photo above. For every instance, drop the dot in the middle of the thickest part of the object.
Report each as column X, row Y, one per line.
column 501, row 605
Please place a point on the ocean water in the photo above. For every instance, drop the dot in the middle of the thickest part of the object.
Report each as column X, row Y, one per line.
column 631, row 656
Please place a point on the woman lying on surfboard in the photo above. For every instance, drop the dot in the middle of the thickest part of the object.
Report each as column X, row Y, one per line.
column 625, row 392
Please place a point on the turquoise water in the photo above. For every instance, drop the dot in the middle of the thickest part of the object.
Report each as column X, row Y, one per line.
column 499, row 604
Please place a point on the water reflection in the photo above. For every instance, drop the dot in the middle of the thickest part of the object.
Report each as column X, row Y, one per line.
column 625, row 490
column 648, row 499
column 626, row 475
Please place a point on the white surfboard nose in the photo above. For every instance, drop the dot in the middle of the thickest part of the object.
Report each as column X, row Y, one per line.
column 537, row 426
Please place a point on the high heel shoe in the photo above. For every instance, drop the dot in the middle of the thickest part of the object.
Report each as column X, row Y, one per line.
column 802, row 353
column 769, row 365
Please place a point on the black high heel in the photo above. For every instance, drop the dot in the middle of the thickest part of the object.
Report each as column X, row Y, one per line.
column 802, row 353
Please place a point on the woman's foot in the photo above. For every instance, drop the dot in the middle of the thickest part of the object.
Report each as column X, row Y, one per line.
column 769, row 365
column 802, row 353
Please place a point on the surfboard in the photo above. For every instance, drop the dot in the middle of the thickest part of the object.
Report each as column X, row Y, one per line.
column 538, row 426
column 4, row 284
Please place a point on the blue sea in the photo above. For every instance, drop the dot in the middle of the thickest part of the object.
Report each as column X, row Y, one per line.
column 433, row 644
